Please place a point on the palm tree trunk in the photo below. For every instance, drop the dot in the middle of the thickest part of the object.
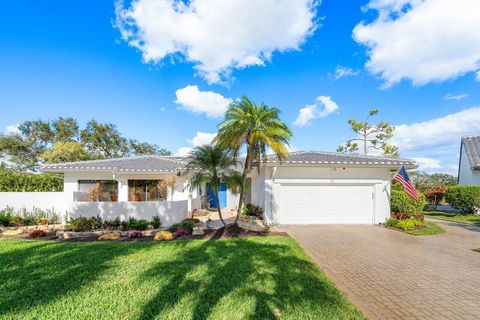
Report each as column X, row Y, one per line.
column 218, row 206
column 244, row 182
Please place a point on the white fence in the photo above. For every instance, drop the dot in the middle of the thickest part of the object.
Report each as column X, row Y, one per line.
column 170, row 212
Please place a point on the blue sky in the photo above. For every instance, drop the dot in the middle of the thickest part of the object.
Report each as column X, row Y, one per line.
column 90, row 60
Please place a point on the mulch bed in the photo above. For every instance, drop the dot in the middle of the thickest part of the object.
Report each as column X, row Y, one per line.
column 232, row 231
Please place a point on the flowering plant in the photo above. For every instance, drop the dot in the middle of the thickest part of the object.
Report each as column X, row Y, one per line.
column 182, row 232
column 133, row 234
column 37, row 233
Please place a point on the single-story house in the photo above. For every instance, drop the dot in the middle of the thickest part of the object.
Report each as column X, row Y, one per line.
column 309, row 188
column 469, row 163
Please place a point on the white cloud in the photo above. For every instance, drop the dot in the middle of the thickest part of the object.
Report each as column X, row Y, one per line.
column 13, row 129
column 342, row 72
column 202, row 138
column 216, row 35
column 313, row 111
column 428, row 164
column 210, row 103
column 439, row 132
column 184, row 151
column 421, row 40
column 456, row 97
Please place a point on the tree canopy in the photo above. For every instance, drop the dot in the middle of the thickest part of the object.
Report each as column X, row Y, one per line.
column 62, row 140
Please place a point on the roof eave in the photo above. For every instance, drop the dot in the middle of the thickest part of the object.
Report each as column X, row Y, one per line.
column 341, row 164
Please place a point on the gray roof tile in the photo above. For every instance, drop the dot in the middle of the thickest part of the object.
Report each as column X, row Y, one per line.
column 319, row 157
column 472, row 148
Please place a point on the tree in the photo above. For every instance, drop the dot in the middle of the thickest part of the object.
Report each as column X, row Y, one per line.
column 213, row 165
column 257, row 127
column 65, row 130
column 371, row 136
column 104, row 140
column 144, row 148
column 65, row 152
column 424, row 181
column 19, row 152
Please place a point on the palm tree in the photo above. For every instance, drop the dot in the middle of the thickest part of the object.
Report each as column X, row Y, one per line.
column 257, row 127
column 213, row 165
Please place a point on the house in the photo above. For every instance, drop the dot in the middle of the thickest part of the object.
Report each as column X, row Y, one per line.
column 310, row 187
column 469, row 163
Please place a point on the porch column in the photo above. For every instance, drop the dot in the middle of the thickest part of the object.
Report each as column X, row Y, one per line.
column 122, row 189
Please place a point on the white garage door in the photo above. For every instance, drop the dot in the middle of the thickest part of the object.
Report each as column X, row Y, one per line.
column 325, row 204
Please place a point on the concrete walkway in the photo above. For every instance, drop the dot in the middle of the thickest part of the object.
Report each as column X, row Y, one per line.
column 392, row 275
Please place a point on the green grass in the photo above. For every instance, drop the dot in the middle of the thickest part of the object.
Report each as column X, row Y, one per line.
column 430, row 229
column 459, row 218
column 254, row 278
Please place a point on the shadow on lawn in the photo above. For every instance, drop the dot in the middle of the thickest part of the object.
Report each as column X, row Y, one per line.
column 278, row 281
column 47, row 270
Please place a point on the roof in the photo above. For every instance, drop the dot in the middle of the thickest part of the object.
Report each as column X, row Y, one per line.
column 146, row 164
column 472, row 148
column 329, row 158
column 131, row 164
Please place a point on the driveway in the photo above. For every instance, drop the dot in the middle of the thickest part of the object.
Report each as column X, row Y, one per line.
column 391, row 275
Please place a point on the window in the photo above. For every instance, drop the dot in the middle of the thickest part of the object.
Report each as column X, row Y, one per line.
column 97, row 190
column 144, row 190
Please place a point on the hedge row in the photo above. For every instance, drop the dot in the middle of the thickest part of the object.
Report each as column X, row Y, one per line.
column 465, row 198
column 19, row 182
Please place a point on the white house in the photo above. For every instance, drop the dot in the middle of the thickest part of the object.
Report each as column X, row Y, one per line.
column 309, row 188
column 469, row 166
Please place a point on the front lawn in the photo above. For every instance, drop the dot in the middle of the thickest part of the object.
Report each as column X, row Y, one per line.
column 429, row 228
column 459, row 218
column 251, row 278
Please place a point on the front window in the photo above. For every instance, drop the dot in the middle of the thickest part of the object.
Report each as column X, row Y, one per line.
column 98, row 190
column 145, row 190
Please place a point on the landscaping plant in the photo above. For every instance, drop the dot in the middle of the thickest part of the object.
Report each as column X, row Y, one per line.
column 434, row 195
column 258, row 127
column 182, row 232
column 37, row 233
column 156, row 223
column 137, row 224
column 465, row 198
column 134, row 234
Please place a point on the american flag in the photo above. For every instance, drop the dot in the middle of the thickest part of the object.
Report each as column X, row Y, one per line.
column 407, row 184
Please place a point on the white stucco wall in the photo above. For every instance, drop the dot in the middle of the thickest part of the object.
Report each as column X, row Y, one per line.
column 273, row 177
column 55, row 201
column 466, row 176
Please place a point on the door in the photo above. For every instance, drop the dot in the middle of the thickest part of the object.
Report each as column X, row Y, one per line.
column 325, row 204
column 222, row 196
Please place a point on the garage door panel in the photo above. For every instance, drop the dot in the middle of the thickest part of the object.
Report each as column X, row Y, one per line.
column 322, row 204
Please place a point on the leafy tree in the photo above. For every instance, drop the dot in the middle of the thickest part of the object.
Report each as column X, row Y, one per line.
column 424, row 181
column 213, row 165
column 19, row 152
column 144, row 148
column 65, row 152
column 256, row 127
column 65, row 130
column 370, row 136
column 104, row 140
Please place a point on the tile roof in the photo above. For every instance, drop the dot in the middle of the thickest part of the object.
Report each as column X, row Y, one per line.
column 174, row 163
column 131, row 164
column 327, row 158
column 472, row 148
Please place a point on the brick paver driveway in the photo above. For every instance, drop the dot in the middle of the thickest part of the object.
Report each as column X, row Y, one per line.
column 391, row 275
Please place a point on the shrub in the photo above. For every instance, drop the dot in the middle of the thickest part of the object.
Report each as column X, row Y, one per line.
column 465, row 198
column 156, row 223
column 135, row 224
column 393, row 223
column 402, row 204
column 37, row 233
column 134, row 234
column 409, row 224
column 185, row 224
column 252, row 211
column 97, row 222
column 80, row 224
column 43, row 221
column 434, row 195
column 181, row 232
column 17, row 221
column 6, row 217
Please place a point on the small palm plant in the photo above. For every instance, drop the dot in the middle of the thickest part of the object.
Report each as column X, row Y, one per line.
column 257, row 127
column 213, row 165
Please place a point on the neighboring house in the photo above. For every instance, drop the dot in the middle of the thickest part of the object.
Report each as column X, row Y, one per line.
column 469, row 164
column 309, row 188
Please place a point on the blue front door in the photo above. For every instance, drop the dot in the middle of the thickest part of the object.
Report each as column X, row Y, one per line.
column 222, row 196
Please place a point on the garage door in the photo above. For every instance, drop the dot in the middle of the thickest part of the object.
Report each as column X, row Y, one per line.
column 325, row 204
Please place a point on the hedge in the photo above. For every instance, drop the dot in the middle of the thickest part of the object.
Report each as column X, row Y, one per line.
column 465, row 198
column 400, row 202
column 19, row 182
